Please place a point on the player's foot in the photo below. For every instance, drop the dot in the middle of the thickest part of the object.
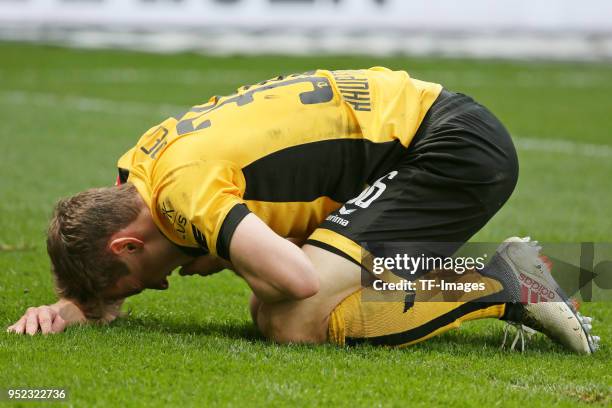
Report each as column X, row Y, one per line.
column 537, row 300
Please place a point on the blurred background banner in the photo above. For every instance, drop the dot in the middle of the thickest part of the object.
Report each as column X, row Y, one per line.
column 549, row 29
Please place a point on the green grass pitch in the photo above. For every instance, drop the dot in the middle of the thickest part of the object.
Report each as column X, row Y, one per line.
column 65, row 117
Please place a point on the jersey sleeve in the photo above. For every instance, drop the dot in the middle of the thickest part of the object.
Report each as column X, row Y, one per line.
column 200, row 205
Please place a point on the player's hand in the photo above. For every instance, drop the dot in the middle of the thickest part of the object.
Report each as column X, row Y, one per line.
column 48, row 319
column 204, row 266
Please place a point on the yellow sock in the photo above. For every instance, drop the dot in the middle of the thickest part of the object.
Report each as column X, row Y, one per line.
column 389, row 323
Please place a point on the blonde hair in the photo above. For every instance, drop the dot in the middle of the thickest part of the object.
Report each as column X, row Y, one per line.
column 77, row 243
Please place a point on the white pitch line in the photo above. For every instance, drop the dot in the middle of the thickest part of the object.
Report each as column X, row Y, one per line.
column 112, row 107
column 563, row 147
column 189, row 77
column 520, row 79
column 86, row 104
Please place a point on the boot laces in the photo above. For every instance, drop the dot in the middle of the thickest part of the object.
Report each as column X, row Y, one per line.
column 522, row 332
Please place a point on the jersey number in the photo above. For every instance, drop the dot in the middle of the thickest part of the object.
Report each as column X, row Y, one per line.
column 368, row 195
column 322, row 92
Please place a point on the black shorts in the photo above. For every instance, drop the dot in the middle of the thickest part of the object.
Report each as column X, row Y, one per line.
column 459, row 170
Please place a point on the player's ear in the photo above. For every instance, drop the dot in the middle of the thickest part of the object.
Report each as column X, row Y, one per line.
column 125, row 245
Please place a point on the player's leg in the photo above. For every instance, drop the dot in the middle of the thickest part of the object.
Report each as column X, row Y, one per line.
column 332, row 316
column 515, row 274
column 339, row 313
column 458, row 172
column 306, row 321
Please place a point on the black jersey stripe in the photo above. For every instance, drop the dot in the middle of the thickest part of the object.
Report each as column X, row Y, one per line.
column 233, row 218
column 336, row 168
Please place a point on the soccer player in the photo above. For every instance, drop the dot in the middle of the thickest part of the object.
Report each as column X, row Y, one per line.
column 330, row 160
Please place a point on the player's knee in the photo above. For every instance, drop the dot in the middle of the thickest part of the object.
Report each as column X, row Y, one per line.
column 285, row 335
column 272, row 326
column 284, row 329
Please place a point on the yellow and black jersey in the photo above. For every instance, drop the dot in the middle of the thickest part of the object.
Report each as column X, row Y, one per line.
column 291, row 150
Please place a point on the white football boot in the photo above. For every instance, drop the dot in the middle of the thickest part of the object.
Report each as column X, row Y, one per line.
column 536, row 300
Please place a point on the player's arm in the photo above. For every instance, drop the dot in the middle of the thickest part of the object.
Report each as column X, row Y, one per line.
column 55, row 318
column 204, row 266
column 208, row 193
column 274, row 268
